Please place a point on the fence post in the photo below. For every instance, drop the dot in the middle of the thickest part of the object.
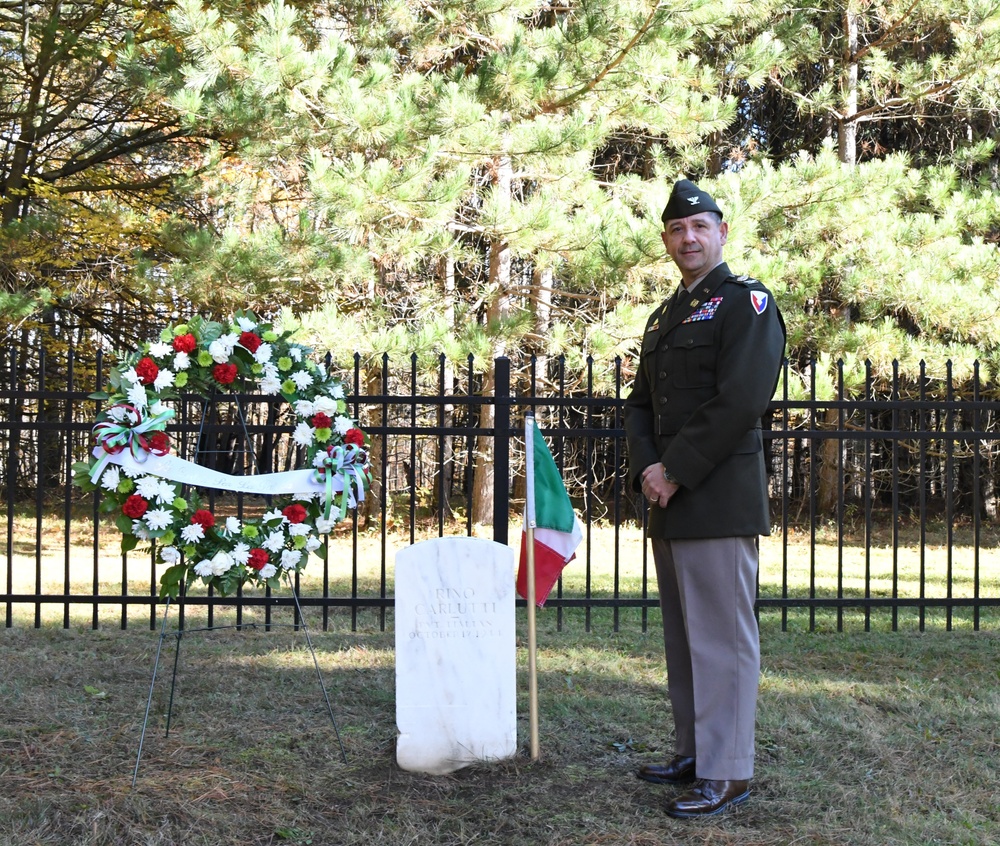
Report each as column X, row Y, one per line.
column 501, row 449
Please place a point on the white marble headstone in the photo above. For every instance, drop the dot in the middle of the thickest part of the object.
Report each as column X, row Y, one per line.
column 456, row 699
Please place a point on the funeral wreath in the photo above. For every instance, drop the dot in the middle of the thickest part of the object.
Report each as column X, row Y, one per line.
column 156, row 495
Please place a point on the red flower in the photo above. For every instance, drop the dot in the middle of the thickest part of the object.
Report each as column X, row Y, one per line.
column 295, row 513
column 135, row 506
column 321, row 421
column 355, row 436
column 224, row 374
column 147, row 371
column 159, row 443
column 204, row 518
column 185, row 343
column 250, row 341
column 258, row 559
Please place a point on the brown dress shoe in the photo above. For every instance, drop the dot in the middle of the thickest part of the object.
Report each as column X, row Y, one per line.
column 680, row 770
column 708, row 797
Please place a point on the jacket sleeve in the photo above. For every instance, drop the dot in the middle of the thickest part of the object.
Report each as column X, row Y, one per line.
column 639, row 419
column 751, row 348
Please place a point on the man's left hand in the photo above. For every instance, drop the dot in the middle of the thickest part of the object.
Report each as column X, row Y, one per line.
column 655, row 487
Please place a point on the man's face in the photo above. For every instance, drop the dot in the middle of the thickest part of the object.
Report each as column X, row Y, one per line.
column 695, row 243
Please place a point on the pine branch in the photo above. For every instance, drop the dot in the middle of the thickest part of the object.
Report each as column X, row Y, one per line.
column 138, row 185
column 594, row 81
column 885, row 36
column 898, row 102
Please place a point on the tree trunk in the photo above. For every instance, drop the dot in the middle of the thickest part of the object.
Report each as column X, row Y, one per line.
column 829, row 466
column 371, row 508
column 499, row 307
column 847, row 147
column 847, row 126
column 542, row 285
column 446, row 444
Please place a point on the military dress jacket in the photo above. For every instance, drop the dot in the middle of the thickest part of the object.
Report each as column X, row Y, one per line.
column 708, row 368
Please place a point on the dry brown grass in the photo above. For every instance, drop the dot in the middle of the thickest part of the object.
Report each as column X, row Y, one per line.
column 867, row 739
column 864, row 739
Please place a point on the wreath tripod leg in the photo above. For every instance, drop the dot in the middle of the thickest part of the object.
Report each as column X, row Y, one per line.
column 319, row 675
column 152, row 682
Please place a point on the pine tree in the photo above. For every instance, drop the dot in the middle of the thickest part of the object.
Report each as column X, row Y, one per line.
column 466, row 132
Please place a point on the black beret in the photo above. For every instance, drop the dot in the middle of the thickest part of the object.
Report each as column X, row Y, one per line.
column 687, row 199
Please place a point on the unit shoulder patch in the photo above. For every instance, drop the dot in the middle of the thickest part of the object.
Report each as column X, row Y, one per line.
column 758, row 299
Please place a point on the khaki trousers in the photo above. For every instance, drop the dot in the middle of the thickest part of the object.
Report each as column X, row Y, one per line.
column 707, row 592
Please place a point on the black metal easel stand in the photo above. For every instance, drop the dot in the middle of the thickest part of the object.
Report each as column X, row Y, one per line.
column 179, row 634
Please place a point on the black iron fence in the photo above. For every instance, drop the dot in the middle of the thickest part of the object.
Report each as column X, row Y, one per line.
column 884, row 502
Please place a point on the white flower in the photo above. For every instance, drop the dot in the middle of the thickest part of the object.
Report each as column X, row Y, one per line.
column 272, row 515
column 327, row 405
column 343, row 425
column 303, row 434
column 232, row 525
column 246, row 324
column 164, row 379
column 157, row 407
column 304, row 408
column 313, row 543
column 324, row 526
column 219, row 351
column 336, row 390
column 295, row 353
column 137, row 396
column 148, row 486
column 203, row 567
column 182, row 361
column 270, row 385
column 170, row 555
column 111, row 477
column 158, row 518
column 263, row 354
column 119, row 413
column 290, row 557
column 222, row 562
column 241, row 552
column 267, row 571
column 193, row 533
column 130, row 375
column 159, row 349
column 139, row 530
column 296, row 529
column 153, row 487
column 302, row 379
column 275, row 541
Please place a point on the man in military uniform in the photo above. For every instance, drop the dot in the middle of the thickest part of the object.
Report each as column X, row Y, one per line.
column 711, row 355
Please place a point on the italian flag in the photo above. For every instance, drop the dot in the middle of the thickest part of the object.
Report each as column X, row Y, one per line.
column 549, row 519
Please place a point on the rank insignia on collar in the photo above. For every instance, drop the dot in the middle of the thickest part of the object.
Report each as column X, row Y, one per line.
column 758, row 299
column 693, row 303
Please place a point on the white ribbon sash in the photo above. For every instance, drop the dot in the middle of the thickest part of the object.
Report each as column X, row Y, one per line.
column 301, row 483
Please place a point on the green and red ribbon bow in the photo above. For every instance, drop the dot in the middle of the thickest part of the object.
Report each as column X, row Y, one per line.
column 345, row 461
column 115, row 437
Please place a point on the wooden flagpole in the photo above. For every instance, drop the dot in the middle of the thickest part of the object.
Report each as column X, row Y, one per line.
column 530, row 543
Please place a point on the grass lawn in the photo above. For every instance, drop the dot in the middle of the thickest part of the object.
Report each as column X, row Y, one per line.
column 865, row 738
column 871, row 739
